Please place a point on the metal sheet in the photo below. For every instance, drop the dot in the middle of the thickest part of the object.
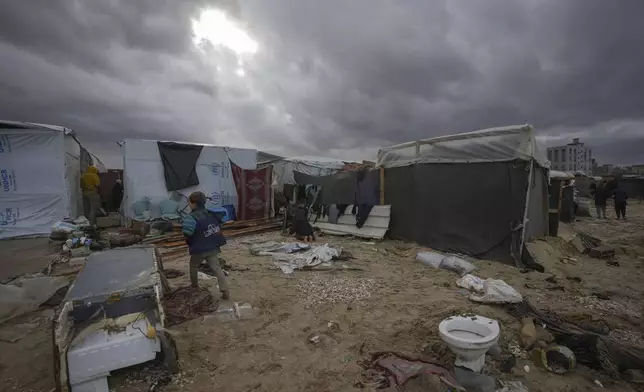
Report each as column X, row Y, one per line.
column 115, row 271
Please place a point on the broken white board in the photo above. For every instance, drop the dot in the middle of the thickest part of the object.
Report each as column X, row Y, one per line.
column 375, row 226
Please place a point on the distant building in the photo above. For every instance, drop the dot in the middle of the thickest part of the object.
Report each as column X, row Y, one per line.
column 638, row 169
column 575, row 157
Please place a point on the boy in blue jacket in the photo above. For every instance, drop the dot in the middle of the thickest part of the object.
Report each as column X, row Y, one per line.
column 202, row 230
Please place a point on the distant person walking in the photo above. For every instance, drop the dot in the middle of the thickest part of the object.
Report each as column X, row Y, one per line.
column 601, row 195
column 117, row 195
column 202, row 230
column 90, row 182
column 620, row 196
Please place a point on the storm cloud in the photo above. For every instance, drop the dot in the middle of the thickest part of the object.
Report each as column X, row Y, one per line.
column 338, row 78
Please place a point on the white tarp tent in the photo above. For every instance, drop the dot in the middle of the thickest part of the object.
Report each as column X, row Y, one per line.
column 144, row 179
column 40, row 168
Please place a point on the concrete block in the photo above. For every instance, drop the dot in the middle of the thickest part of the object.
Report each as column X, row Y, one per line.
column 602, row 252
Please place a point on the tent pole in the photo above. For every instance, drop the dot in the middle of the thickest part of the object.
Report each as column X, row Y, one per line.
column 525, row 213
column 382, row 186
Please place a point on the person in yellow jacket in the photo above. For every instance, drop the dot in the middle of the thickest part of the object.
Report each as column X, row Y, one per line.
column 91, row 198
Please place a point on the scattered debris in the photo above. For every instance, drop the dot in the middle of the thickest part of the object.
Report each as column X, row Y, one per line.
column 588, row 242
column 609, row 306
column 269, row 248
column 172, row 273
column 599, row 384
column 489, row 290
column 187, row 303
column 528, row 332
column 395, row 370
column 602, row 252
column 557, row 359
column 629, row 337
column 590, row 348
column 509, row 364
column 320, row 289
column 497, row 291
column 516, row 350
column 234, row 312
column 473, row 381
column 526, row 369
column 308, row 259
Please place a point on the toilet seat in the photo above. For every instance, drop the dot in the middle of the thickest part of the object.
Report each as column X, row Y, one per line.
column 469, row 332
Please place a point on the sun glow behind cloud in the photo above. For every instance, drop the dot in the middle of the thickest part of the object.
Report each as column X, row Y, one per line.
column 215, row 27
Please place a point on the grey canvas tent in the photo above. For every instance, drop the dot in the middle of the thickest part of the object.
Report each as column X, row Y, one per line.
column 482, row 193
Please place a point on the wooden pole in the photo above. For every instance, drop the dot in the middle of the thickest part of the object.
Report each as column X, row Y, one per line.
column 382, row 186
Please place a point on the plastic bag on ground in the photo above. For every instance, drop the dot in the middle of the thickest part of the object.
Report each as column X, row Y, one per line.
column 65, row 227
column 471, row 282
column 450, row 262
column 496, row 291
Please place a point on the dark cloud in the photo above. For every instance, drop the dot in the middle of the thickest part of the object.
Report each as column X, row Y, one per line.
column 333, row 77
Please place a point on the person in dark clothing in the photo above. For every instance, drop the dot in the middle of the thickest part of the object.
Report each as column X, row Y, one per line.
column 117, row 195
column 202, row 230
column 620, row 196
column 300, row 226
column 601, row 195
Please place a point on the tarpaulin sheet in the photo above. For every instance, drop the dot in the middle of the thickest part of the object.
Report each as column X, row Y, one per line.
column 501, row 144
column 34, row 180
column 338, row 188
column 315, row 166
column 253, row 192
column 462, row 208
column 179, row 161
column 144, row 174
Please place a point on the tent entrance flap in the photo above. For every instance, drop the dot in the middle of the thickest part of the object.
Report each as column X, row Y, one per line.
column 179, row 164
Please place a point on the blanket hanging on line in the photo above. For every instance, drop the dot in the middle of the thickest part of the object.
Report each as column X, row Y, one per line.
column 253, row 192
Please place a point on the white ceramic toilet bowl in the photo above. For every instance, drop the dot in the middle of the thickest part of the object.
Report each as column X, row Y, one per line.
column 469, row 337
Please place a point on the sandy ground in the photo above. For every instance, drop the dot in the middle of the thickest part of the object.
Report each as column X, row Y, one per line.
column 406, row 301
column 24, row 256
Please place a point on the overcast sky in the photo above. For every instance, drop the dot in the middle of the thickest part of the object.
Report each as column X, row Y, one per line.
column 329, row 78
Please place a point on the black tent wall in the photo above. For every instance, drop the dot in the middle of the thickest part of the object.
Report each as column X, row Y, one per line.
column 468, row 208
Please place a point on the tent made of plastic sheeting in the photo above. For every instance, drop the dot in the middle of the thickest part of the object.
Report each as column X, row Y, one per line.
column 561, row 175
column 481, row 193
column 313, row 166
column 40, row 169
column 144, row 176
column 500, row 144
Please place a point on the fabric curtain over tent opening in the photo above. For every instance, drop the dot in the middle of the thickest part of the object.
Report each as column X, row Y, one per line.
column 179, row 164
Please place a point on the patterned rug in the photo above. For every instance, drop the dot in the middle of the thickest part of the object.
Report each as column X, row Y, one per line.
column 253, row 192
